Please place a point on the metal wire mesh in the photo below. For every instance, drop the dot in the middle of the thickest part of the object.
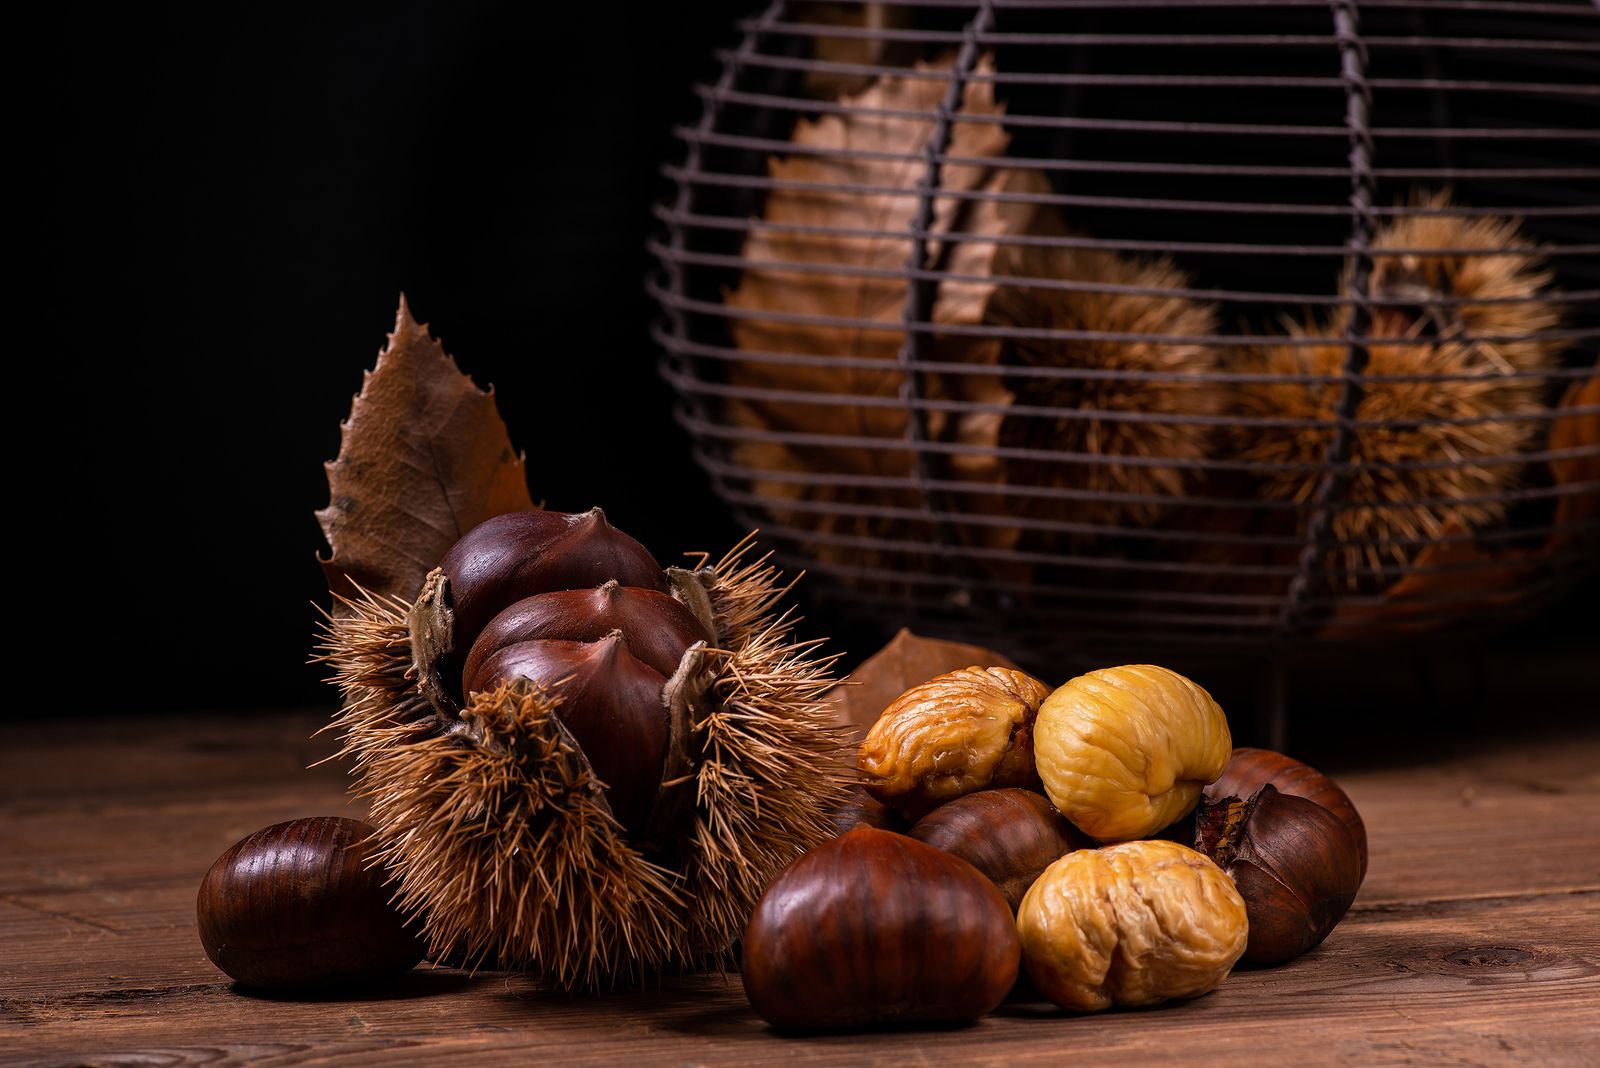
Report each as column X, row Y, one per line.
column 1213, row 392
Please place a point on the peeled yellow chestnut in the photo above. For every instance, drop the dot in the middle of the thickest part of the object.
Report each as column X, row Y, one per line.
column 297, row 905
column 959, row 732
column 1131, row 924
column 1010, row 835
column 1295, row 863
column 877, row 928
column 1250, row 769
column 1125, row 751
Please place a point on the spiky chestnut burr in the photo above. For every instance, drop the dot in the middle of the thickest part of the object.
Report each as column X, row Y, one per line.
column 494, row 809
column 1475, row 408
column 1111, row 417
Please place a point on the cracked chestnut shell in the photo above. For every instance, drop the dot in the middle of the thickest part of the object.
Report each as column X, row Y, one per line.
column 1295, row 863
column 297, row 905
column 1009, row 835
column 874, row 927
column 1250, row 769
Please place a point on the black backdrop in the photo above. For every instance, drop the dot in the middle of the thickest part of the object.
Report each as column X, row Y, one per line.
column 234, row 197
column 238, row 195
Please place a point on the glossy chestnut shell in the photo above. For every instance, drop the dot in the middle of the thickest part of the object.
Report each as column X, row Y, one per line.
column 296, row 905
column 1009, row 835
column 657, row 628
column 874, row 927
column 610, row 701
column 502, row 560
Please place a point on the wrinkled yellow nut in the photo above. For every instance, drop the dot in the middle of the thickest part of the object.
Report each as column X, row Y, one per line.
column 1130, row 924
column 1125, row 751
column 962, row 731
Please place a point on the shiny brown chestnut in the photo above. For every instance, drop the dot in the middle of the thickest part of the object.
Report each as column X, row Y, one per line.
column 611, row 703
column 516, row 555
column 877, row 928
column 657, row 628
column 1250, row 769
column 297, row 905
column 1295, row 864
column 1010, row 835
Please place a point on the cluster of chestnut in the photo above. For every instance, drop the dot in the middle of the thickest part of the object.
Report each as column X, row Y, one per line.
column 1105, row 837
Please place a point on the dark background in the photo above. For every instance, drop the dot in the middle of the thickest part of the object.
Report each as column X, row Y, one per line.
column 236, row 195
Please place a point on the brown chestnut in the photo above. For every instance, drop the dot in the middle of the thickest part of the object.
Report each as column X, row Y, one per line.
column 1295, row 864
column 1250, row 769
column 874, row 927
column 658, row 629
column 516, row 555
column 612, row 704
column 1010, row 835
column 297, row 905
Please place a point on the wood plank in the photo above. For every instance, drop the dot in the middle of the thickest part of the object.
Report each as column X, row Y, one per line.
column 1440, row 983
column 1476, row 939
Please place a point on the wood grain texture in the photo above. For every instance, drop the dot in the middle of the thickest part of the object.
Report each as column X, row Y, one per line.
column 1475, row 940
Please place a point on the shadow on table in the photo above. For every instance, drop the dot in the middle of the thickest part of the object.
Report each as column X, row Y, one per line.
column 421, row 982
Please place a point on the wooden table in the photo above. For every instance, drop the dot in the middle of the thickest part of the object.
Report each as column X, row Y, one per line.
column 1476, row 939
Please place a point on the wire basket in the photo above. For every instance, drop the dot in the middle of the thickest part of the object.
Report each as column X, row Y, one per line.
column 1095, row 328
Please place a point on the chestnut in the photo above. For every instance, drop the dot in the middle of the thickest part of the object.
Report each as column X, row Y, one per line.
column 1250, row 769
column 658, row 629
column 298, row 905
column 610, row 701
column 1010, row 835
column 875, row 927
column 1295, row 864
column 512, row 556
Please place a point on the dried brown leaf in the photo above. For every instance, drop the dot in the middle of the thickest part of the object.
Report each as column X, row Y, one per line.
column 908, row 660
column 423, row 458
column 877, row 296
column 874, row 49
